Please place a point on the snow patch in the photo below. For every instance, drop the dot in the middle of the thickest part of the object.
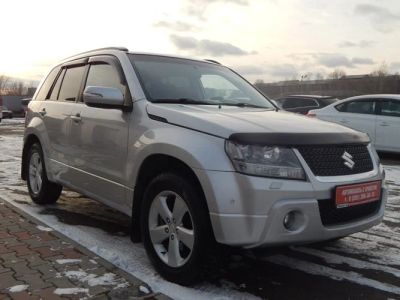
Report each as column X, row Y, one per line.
column 94, row 280
column 70, row 291
column 43, row 228
column 144, row 289
column 18, row 288
column 68, row 261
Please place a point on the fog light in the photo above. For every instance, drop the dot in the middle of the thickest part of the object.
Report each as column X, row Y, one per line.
column 289, row 220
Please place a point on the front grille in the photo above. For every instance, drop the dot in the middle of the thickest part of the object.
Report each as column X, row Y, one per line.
column 330, row 215
column 327, row 160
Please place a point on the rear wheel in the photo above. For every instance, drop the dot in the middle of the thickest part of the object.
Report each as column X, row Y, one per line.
column 41, row 190
column 175, row 228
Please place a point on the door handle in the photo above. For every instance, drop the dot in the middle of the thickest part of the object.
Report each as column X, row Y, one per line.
column 43, row 112
column 76, row 118
column 384, row 124
column 344, row 121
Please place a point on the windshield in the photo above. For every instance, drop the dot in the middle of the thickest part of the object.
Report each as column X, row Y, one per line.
column 166, row 80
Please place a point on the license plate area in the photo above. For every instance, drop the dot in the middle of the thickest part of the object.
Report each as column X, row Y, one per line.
column 356, row 194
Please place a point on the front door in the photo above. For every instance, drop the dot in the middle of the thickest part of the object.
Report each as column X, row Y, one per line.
column 101, row 137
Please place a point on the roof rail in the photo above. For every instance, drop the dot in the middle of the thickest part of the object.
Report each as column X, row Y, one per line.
column 213, row 61
column 99, row 49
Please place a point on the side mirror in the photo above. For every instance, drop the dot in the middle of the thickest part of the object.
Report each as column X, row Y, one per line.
column 104, row 97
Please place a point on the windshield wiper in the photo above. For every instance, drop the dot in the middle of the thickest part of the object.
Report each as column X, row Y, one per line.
column 182, row 101
column 243, row 104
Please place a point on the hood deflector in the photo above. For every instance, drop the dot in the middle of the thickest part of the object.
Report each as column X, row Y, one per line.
column 300, row 139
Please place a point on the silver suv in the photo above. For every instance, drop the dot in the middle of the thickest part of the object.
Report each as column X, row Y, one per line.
column 196, row 156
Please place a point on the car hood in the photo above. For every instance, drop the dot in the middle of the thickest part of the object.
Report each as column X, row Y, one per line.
column 227, row 121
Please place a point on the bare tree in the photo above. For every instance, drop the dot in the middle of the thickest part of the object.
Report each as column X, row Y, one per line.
column 319, row 76
column 3, row 83
column 337, row 74
column 381, row 71
column 17, row 88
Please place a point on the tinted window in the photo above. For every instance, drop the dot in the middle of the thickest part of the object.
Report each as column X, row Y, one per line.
column 357, row 107
column 341, row 107
column 327, row 101
column 56, row 88
column 299, row 102
column 390, row 108
column 104, row 75
column 44, row 89
column 71, row 83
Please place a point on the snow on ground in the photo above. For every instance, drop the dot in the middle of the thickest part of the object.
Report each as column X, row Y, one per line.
column 370, row 258
column 118, row 250
column 68, row 261
column 71, row 291
column 12, row 122
column 18, row 288
column 42, row 228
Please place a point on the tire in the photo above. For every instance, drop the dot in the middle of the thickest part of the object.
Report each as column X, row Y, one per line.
column 41, row 190
column 163, row 195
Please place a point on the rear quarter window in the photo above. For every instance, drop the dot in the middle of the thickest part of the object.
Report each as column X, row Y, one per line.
column 47, row 84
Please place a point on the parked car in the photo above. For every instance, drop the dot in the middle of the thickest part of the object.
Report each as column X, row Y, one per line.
column 303, row 103
column 196, row 156
column 7, row 114
column 1, row 108
column 376, row 115
column 25, row 103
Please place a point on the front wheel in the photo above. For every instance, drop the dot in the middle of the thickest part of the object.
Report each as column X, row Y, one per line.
column 41, row 190
column 175, row 228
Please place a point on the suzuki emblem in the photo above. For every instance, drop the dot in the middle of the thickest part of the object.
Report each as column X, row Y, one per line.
column 348, row 161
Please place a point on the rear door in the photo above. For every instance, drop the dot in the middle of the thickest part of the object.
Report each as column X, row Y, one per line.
column 388, row 125
column 100, row 137
column 56, row 113
column 359, row 115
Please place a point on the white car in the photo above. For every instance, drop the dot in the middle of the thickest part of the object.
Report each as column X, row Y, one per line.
column 376, row 115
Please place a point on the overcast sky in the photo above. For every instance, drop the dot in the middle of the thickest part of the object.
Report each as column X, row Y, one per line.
column 262, row 39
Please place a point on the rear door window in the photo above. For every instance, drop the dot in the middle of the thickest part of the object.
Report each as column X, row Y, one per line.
column 357, row 107
column 71, row 84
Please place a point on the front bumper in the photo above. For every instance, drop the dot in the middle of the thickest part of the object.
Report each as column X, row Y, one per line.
column 256, row 231
column 248, row 211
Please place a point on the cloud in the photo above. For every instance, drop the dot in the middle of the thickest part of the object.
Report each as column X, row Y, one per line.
column 249, row 70
column 333, row 60
column 360, row 44
column 197, row 8
column 176, row 26
column 206, row 47
column 329, row 60
column 284, row 71
column 362, row 61
column 395, row 67
column 382, row 18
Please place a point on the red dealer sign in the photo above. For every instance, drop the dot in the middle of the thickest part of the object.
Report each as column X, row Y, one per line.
column 349, row 195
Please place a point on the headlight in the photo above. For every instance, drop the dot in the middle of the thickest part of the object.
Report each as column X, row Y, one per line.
column 268, row 161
